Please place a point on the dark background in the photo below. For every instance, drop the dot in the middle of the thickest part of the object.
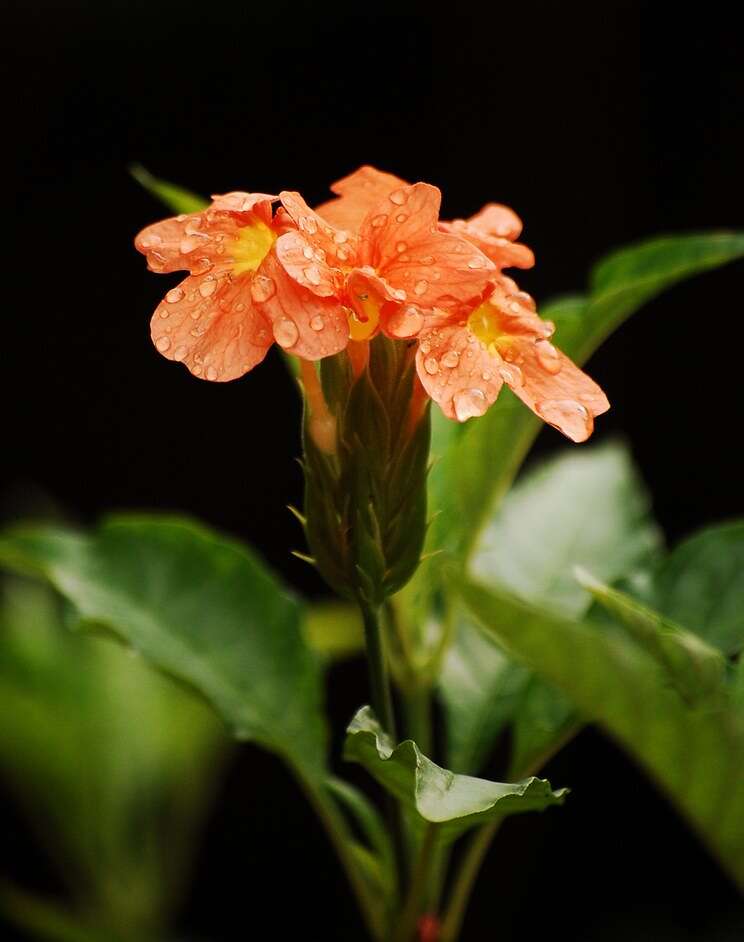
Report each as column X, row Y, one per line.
column 599, row 124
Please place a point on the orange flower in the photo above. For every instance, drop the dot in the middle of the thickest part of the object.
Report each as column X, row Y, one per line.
column 222, row 319
column 466, row 354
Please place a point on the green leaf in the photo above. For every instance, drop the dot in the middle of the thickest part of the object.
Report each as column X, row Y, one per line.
column 334, row 629
column 695, row 668
column 174, row 197
column 453, row 802
column 701, row 585
column 580, row 508
column 696, row 755
column 586, row 507
column 200, row 607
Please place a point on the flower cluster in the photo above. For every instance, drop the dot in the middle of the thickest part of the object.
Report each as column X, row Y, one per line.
column 375, row 259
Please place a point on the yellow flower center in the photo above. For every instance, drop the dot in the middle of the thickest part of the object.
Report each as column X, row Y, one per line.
column 485, row 325
column 365, row 317
column 251, row 246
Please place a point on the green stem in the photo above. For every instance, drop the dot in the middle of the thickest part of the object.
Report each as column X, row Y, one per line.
column 338, row 832
column 419, row 889
column 467, row 875
column 417, row 704
column 379, row 680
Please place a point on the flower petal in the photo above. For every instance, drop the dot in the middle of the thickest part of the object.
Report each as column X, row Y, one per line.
column 307, row 265
column 303, row 323
column 493, row 230
column 399, row 238
column 457, row 372
column 196, row 242
column 357, row 195
column 338, row 246
column 556, row 390
column 210, row 323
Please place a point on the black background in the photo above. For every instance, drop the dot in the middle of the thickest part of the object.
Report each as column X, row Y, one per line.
column 599, row 124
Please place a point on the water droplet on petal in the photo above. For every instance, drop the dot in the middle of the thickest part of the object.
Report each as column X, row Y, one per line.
column 262, row 288
column 317, row 322
column 207, row 286
column 486, row 375
column 197, row 369
column 312, row 273
column 568, row 416
column 515, row 308
column 407, row 322
column 307, row 252
column 156, row 261
column 431, row 366
column 308, row 224
column 187, row 245
column 401, row 247
column 401, row 217
column 174, row 296
column 342, row 254
column 469, row 403
column 425, row 346
column 476, row 261
column 398, row 197
column 180, row 353
column 526, row 299
column 548, row 357
column 427, row 260
column 162, row 343
column 286, row 333
column 450, row 359
column 420, row 287
column 340, row 237
column 212, row 373
column 380, row 220
column 511, row 375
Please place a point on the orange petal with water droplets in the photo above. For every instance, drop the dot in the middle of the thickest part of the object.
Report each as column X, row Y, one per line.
column 210, row 324
column 306, row 264
column 457, row 372
column 493, row 231
column 399, row 237
column 555, row 388
column 196, row 242
column 303, row 323
column 357, row 195
column 338, row 246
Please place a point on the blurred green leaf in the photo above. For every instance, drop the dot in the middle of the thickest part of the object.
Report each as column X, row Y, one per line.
column 44, row 919
column 453, row 802
column 697, row 755
column 695, row 668
column 700, row 584
column 586, row 507
column 334, row 629
column 176, row 198
column 97, row 746
column 200, row 607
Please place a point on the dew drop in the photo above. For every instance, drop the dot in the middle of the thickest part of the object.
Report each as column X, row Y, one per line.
column 197, row 369
column 180, row 353
column 515, row 308
column 208, row 286
column 286, row 333
column 308, row 224
column 262, row 288
column 548, row 357
column 425, row 346
column 312, row 273
column 511, row 375
column 476, row 262
column 469, row 403
column 174, row 296
column 212, row 373
column 342, row 254
column 427, row 260
column 340, row 237
column 162, row 344
column 307, row 252
column 486, row 375
column 187, row 245
column 568, row 416
column 156, row 261
column 420, row 287
column 450, row 359
column 431, row 366
column 317, row 322
column 240, row 306
column 398, row 197
column 380, row 220
column 401, row 247
column 407, row 322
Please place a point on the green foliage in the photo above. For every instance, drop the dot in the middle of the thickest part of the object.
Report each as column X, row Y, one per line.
column 95, row 745
column 453, row 802
column 174, row 197
column 200, row 607
column 582, row 508
column 695, row 752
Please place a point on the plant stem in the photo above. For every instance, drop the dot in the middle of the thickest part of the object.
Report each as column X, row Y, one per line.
column 419, row 887
column 465, row 880
column 379, row 681
column 417, row 703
